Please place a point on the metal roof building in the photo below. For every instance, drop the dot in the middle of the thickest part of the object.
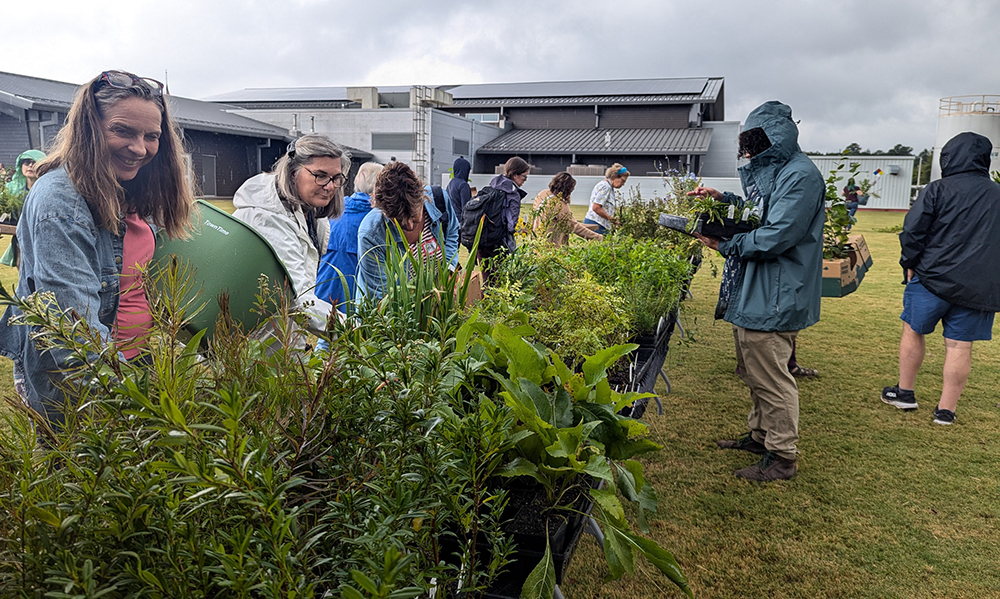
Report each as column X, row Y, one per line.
column 224, row 148
column 645, row 124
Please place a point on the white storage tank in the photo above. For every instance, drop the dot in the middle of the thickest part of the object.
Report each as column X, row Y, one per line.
column 979, row 114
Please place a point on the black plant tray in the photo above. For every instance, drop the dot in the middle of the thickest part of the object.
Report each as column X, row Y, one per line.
column 727, row 229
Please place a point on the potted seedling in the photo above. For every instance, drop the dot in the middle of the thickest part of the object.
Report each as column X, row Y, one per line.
column 574, row 450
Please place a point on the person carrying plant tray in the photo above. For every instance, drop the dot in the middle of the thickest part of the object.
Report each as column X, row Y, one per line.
column 775, row 291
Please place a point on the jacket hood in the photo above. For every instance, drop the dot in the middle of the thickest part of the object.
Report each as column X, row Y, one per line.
column 259, row 191
column 966, row 153
column 18, row 183
column 775, row 119
column 461, row 168
column 357, row 203
column 503, row 182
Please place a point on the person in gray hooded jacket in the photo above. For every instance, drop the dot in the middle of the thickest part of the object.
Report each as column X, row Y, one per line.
column 776, row 291
column 950, row 241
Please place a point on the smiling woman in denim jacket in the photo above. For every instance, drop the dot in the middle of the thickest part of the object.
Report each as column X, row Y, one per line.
column 85, row 232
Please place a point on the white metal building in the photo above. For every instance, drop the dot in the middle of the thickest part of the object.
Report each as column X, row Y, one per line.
column 979, row 114
column 400, row 123
column 893, row 186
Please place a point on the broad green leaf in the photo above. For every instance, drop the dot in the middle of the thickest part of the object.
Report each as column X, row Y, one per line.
column 561, row 370
column 602, row 392
column 524, row 361
column 664, row 562
column 541, row 582
column 625, row 479
column 568, row 442
column 519, row 467
column 595, row 367
column 45, row 516
column 618, row 553
column 598, row 467
column 562, row 408
column 609, row 504
column 648, row 502
column 541, row 400
column 350, row 593
column 631, row 448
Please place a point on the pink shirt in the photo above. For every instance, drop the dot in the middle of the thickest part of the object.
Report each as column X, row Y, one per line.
column 134, row 321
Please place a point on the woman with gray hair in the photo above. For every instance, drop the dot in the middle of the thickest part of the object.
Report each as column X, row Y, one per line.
column 289, row 207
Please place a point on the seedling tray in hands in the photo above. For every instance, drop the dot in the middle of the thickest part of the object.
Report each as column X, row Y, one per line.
column 727, row 229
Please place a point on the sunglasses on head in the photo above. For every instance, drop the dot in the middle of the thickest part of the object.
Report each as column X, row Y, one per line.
column 123, row 80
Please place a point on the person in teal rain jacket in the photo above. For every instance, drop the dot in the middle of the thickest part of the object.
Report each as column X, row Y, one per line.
column 776, row 289
column 18, row 186
column 24, row 172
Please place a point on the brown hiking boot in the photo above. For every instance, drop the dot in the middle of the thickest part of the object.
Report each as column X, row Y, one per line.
column 770, row 467
column 745, row 442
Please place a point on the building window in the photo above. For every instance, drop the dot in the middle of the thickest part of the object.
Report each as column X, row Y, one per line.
column 488, row 117
column 392, row 141
column 460, row 147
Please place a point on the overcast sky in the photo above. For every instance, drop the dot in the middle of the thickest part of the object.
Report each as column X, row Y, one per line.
column 865, row 71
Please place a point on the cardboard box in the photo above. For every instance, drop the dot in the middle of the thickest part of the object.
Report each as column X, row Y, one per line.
column 863, row 256
column 842, row 277
column 474, row 294
column 839, row 279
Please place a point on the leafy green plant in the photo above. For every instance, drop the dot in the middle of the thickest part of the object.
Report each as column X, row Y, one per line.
column 838, row 220
column 569, row 431
column 10, row 203
column 865, row 188
column 649, row 275
column 259, row 470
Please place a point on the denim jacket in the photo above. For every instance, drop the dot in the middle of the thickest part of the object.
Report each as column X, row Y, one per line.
column 65, row 253
column 372, row 247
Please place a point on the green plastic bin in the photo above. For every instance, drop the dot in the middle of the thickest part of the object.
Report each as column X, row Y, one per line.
column 227, row 256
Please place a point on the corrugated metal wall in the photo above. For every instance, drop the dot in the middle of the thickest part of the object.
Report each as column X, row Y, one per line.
column 13, row 139
column 894, row 190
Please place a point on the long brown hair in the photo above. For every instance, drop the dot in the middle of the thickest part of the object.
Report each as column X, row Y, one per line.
column 161, row 191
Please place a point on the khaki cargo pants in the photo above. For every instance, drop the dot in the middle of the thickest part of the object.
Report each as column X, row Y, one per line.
column 763, row 360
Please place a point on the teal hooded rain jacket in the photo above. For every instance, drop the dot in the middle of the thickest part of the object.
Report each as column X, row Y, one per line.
column 783, row 258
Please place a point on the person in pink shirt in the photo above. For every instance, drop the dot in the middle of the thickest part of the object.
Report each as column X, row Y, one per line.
column 85, row 232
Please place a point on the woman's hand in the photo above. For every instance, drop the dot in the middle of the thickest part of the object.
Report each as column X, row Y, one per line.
column 706, row 191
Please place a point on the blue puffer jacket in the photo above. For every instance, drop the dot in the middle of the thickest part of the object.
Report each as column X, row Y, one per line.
column 342, row 252
column 783, row 258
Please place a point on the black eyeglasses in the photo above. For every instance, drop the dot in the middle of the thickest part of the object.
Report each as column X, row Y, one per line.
column 123, row 80
column 338, row 180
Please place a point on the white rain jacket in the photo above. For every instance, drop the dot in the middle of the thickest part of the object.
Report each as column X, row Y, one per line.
column 258, row 205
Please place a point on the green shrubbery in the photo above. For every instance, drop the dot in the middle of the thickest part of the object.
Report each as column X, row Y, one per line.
column 259, row 471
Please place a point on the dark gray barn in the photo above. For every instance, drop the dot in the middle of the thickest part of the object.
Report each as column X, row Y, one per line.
column 645, row 124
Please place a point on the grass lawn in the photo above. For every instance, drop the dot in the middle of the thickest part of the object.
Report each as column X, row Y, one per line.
column 885, row 504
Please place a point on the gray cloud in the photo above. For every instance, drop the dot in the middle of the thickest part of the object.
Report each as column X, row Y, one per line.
column 869, row 72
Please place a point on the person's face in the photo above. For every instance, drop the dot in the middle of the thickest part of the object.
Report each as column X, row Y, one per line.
column 311, row 194
column 617, row 182
column 519, row 179
column 28, row 169
column 132, row 133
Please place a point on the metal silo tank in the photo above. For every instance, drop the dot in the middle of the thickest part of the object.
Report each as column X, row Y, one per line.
column 979, row 114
